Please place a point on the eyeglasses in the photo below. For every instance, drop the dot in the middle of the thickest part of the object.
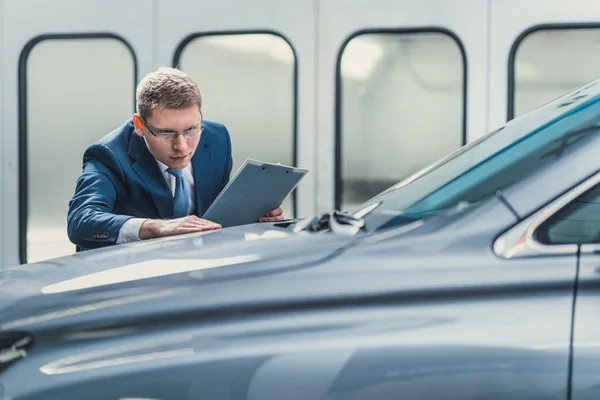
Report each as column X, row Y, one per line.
column 165, row 136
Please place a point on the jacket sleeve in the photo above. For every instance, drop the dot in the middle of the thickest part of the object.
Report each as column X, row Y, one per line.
column 90, row 221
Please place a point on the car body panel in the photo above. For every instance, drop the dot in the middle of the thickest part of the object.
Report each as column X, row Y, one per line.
column 586, row 329
column 378, row 320
column 272, row 273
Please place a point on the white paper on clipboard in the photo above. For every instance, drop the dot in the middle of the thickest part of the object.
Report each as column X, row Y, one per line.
column 256, row 188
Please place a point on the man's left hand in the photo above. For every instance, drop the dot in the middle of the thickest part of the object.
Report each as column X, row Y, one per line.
column 273, row 215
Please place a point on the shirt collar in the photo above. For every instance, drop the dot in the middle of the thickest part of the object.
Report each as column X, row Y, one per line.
column 164, row 167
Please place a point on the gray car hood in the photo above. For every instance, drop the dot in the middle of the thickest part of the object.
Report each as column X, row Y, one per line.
column 249, row 269
column 155, row 269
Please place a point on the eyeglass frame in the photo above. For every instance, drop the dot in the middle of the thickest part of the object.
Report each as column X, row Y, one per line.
column 173, row 135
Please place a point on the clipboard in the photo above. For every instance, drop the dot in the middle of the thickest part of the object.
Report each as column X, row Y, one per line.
column 256, row 188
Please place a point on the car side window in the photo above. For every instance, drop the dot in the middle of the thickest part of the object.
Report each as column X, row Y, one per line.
column 576, row 223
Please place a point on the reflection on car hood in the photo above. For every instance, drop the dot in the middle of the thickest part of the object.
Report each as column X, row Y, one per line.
column 155, row 269
column 247, row 270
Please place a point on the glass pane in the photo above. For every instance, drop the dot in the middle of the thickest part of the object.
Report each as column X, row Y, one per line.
column 402, row 109
column 577, row 223
column 247, row 84
column 549, row 63
column 78, row 90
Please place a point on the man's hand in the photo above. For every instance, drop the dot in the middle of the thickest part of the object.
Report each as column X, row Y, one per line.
column 273, row 215
column 168, row 227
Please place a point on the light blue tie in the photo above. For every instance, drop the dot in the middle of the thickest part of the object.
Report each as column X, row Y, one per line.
column 181, row 200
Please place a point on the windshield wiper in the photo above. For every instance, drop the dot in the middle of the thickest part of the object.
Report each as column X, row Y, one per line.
column 342, row 223
column 13, row 346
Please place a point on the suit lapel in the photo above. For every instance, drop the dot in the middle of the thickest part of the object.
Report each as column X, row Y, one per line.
column 202, row 165
column 147, row 169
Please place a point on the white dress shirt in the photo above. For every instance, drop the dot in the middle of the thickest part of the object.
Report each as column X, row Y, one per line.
column 130, row 230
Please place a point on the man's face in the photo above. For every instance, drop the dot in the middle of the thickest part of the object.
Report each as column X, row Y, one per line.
column 176, row 153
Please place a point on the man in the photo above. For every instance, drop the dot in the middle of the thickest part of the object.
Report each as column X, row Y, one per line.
column 155, row 175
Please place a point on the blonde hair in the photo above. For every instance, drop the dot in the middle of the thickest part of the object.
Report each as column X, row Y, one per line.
column 166, row 88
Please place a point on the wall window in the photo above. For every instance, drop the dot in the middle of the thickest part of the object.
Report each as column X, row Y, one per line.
column 402, row 108
column 248, row 83
column 77, row 90
column 547, row 63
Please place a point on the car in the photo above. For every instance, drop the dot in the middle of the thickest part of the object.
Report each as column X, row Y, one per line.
column 476, row 278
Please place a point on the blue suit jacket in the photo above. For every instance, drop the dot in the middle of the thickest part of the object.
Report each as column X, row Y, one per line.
column 122, row 180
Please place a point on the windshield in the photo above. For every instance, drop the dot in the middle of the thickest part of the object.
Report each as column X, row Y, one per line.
column 490, row 163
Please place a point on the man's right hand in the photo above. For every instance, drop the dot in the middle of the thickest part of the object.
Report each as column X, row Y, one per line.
column 154, row 228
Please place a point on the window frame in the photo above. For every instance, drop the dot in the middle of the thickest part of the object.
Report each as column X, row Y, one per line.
column 196, row 35
column 511, row 84
column 23, row 114
column 338, row 145
column 521, row 239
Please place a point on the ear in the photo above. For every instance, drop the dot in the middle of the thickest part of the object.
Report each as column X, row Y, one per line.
column 138, row 125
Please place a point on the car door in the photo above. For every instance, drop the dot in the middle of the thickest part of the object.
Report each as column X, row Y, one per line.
column 586, row 330
column 579, row 223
